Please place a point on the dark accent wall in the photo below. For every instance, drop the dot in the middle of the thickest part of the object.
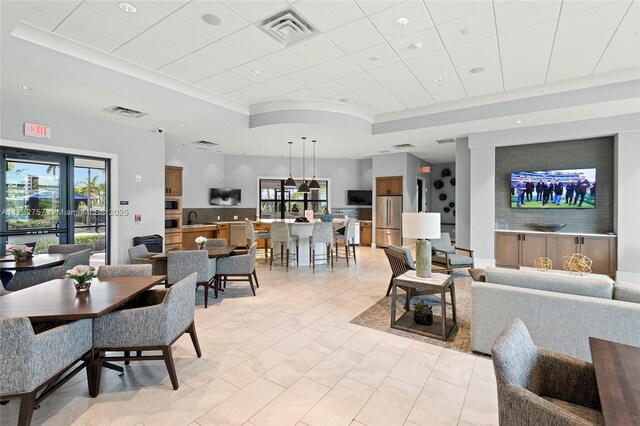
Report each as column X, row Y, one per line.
column 584, row 153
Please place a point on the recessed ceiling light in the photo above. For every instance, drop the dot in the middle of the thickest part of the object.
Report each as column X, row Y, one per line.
column 256, row 73
column 211, row 19
column 476, row 70
column 405, row 136
column 519, row 122
column 438, row 79
column 465, row 31
column 181, row 125
column 129, row 8
column 344, row 99
column 374, row 58
column 25, row 87
column 416, row 45
column 401, row 22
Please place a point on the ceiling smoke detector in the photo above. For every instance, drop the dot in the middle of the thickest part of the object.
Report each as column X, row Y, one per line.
column 404, row 146
column 288, row 28
column 126, row 112
column 416, row 46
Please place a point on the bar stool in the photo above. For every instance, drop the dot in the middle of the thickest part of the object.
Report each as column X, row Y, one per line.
column 348, row 239
column 280, row 236
column 322, row 234
column 253, row 236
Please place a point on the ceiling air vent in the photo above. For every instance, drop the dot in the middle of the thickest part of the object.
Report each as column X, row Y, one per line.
column 204, row 144
column 384, row 151
column 126, row 112
column 404, row 146
column 450, row 140
column 287, row 27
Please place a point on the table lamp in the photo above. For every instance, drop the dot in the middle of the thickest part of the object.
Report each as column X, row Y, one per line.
column 422, row 227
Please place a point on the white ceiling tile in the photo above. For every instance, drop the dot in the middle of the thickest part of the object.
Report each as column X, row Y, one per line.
column 170, row 5
column 385, row 102
column 403, row 86
column 181, row 33
column 255, row 10
column 57, row 9
column 389, row 73
column 430, row 43
column 357, row 81
column 140, row 58
column 623, row 50
column 102, row 23
column 253, row 93
column 302, row 95
column 284, row 61
column 148, row 13
column 317, row 50
column 483, row 83
column 252, row 42
column 308, row 77
column 328, row 89
column 383, row 55
column 224, row 82
column 154, row 46
column 223, row 54
column 229, row 21
column 413, row 10
column 415, row 98
column 355, row 36
column 191, row 68
column 86, row 37
column 428, row 64
column 372, row 6
column 522, row 13
column 281, row 85
column 328, row 15
column 449, row 89
column 266, row 73
column 340, row 67
column 41, row 20
column 480, row 25
column 575, row 6
column 445, row 11
column 581, row 39
column 470, row 55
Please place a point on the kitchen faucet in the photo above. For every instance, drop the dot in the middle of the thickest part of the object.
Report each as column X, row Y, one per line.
column 189, row 221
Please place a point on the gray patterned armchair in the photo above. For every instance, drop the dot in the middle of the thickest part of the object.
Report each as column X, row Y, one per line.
column 66, row 248
column 540, row 387
column 238, row 268
column 147, row 328
column 448, row 256
column 139, row 255
column 29, row 361
column 24, row 279
column 181, row 264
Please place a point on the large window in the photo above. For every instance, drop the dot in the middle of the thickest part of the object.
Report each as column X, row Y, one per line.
column 278, row 202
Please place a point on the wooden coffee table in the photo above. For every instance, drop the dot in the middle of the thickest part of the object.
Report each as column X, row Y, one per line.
column 441, row 326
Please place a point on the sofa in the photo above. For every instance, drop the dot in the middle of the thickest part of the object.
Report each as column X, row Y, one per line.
column 561, row 311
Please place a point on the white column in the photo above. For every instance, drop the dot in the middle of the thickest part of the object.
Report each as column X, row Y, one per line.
column 482, row 204
column 463, row 193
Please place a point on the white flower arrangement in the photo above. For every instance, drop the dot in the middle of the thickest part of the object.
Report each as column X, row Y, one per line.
column 81, row 273
column 19, row 251
column 201, row 241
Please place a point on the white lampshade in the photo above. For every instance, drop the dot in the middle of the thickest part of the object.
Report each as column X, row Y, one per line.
column 421, row 225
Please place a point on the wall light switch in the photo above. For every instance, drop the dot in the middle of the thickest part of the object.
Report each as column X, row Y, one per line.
column 235, row 218
column 138, row 178
column 138, row 218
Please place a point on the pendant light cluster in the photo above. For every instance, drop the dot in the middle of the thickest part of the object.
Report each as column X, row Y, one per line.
column 304, row 188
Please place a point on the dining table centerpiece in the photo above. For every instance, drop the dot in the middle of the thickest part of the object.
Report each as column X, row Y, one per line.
column 20, row 252
column 81, row 276
column 201, row 242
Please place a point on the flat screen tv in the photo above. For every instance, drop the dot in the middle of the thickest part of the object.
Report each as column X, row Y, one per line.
column 359, row 198
column 553, row 189
column 224, row 197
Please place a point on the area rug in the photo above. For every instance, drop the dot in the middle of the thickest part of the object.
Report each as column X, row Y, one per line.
column 378, row 316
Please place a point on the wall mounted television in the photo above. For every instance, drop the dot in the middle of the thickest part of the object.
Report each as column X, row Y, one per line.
column 359, row 198
column 553, row 189
column 224, row 197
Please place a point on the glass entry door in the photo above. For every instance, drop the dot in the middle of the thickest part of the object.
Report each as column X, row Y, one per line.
column 35, row 191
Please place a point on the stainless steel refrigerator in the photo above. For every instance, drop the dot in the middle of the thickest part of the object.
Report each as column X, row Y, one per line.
column 388, row 220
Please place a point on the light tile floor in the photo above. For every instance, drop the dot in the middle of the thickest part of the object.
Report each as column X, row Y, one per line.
column 289, row 356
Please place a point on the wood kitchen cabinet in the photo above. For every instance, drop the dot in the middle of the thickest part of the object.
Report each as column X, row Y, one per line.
column 389, row 185
column 365, row 233
column 173, row 180
column 519, row 249
column 224, row 231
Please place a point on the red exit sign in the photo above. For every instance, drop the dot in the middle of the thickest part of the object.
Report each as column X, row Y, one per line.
column 37, row 130
column 425, row 169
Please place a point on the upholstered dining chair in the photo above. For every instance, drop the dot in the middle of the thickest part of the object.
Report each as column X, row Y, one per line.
column 540, row 387
column 24, row 279
column 348, row 240
column 181, row 264
column 252, row 236
column 282, row 238
column 66, row 248
column 3, row 292
column 140, row 255
column 238, row 268
column 29, row 362
column 322, row 234
column 147, row 328
column 446, row 255
column 216, row 242
column 113, row 271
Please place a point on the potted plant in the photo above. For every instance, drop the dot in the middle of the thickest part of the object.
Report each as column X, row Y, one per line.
column 200, row 242
column 422, row 313
column 20, row 252
column 81, row 276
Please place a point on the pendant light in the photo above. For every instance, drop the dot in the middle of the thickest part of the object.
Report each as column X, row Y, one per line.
column 290, row 183
column 314, row 185
column 303, row 188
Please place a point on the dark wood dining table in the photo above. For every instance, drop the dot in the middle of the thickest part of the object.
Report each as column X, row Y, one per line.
column 214, row 252
column 38, row 261
column 617, row 368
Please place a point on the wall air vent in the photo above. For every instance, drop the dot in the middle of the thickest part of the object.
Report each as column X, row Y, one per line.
column 450, row 140
column 205, row 144
column 404, row 146
column 126, row 112
column 287, row 27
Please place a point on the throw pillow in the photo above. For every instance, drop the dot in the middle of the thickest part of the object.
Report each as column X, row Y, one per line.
column 477, row 274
